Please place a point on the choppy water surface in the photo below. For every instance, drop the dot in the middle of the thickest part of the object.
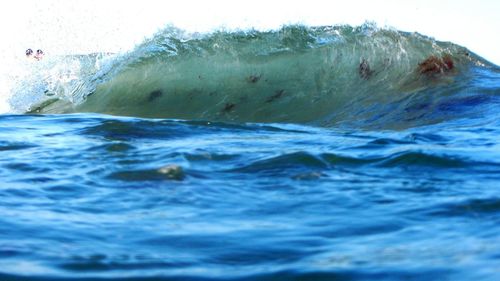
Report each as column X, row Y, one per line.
column 311, row 160
column 96, row 196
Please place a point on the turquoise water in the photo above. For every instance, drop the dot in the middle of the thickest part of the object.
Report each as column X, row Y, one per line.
column 390, row 173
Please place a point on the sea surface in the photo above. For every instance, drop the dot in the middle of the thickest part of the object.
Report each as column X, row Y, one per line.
column 305, row 153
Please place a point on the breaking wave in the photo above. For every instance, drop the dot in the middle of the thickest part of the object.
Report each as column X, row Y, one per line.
column 332, row 75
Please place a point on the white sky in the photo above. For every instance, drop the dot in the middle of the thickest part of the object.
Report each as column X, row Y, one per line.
column 68, row 26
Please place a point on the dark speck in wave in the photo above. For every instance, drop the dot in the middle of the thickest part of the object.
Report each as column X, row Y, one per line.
column 253, row 78
column 278, row 94
column 154, row 95
column 436, row 65
column 228, row 107
column 364, row 70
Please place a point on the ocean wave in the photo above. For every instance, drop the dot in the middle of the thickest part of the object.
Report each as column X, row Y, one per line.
column 364, row 76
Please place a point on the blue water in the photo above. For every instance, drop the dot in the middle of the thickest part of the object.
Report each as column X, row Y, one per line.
column 405, row 188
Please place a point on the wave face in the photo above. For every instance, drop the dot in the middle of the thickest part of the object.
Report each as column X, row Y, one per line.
column 323, row 76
